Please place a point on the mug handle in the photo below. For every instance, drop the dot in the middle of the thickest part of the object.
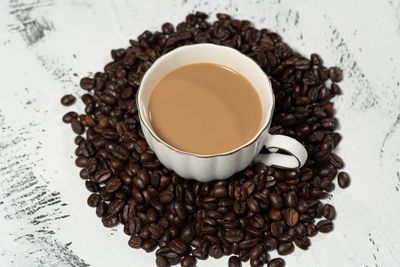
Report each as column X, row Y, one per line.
column 297, row 153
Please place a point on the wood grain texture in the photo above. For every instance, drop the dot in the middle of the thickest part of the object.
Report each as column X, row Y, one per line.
column 46, row 45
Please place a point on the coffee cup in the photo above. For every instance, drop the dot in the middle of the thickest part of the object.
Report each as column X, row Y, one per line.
column 283, row 151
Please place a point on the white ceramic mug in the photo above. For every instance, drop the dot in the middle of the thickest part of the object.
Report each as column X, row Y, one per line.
column 205, row 168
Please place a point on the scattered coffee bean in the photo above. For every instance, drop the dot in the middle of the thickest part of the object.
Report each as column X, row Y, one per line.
column 188, row 261
column 234, row 262
column 77, row 126
column 325, row 226
column 329, row 212
column 335, row 74
column 68, row 100
column 343, row 179
column 162, row 262
column 277, row 262
column 291, row 217
column 177, row 246
column 285, row 248
column 135, row 242
column 67, row 118
column 87, row 83
column 94, row 200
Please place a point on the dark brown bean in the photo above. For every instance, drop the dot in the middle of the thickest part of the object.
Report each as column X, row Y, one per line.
column 285, row 248
column 256, row 251
column 234, row 261
column 188, row 261
column 77, row 126
column 277, row 262
column 325, row 226
column 276, row 200
column 291, row 199
column 343, row 179
column 177, row 246
column 335, row 74
column 135, row 242
column 69, row 116
column 94, row 200
column 329, row 212
column 291, row 217
column 162, row 262
column 113, row 184
column 302, row 242
column 87, row 83
column 149, row 245
column 68, row 100
column 102, row 175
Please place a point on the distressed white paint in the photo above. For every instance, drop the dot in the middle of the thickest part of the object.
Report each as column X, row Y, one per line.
column 34, row 74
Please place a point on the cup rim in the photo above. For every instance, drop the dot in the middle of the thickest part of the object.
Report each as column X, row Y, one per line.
column 164, row 57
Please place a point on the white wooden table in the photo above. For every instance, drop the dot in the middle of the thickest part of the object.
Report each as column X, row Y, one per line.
column 45, row 45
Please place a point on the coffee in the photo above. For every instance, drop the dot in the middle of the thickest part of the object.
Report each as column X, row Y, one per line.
column 205, row 109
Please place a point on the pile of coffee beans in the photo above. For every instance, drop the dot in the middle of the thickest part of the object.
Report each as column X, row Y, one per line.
column 256, row 211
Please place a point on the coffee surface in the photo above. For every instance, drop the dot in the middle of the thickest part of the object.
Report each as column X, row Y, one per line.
column 205, row 109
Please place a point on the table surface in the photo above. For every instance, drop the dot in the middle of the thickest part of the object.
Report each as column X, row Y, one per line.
column 46, row 45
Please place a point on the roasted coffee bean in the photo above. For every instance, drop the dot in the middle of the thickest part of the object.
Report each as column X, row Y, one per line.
column 291, row 217
column 336, row 161
column 325, row 226
column 87, row 83
column 215, row 251
column 113, row 184
column 277, row 262
column 149, row 245
column 311, row 230
column 115, row 206
column 77, row 126
column 234, row 235
column 188, row 261
column 180, row 210
column 219, row 191
column 68, row 100
column 245, row 244
column 172, row 258
column 335, row 74
column 135, row 242
column 253, row 205
column 244, row 255
column 94, row 200
column 274, row 214
column 276, row 229
column 187, row 234
column 343, row 179
column 329, row 212
column 256, row 251
column 102, row 175
column 302, row 242
column 162, row 262
column 87, row 99
column 167, row 28
column 110, row 221
column 69, row 116
column 100, row 209
column 276, row 200
column 177, row 246
column 234, row 261
column 291, row 199
column 285, row 248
